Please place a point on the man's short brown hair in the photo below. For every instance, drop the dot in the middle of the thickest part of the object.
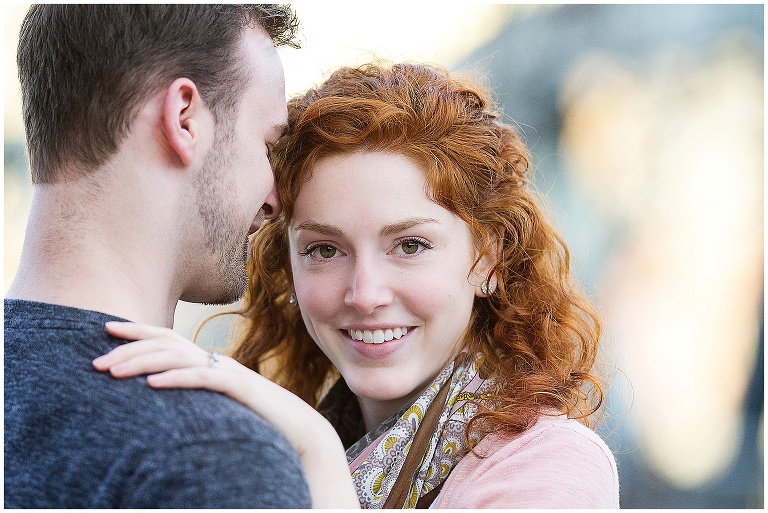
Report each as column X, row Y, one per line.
column 86, row 69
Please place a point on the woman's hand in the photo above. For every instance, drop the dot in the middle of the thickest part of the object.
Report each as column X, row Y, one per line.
column 174, row 362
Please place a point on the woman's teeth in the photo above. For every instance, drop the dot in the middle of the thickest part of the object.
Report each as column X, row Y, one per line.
column 377, row 336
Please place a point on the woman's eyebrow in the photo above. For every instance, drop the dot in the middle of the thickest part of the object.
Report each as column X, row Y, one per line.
column 392, row 229
column 325, row 229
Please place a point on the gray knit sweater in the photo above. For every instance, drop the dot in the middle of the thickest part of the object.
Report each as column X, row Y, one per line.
column 78, row 438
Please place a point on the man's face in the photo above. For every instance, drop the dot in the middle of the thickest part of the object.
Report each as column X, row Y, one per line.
column 236, row 186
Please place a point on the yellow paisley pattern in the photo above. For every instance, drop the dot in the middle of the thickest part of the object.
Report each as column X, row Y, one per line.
column 377, row 484
column 390, row 442
column 375, row 474
column 414, row 411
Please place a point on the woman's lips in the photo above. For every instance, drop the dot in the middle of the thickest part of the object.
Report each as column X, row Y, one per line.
column 378, row 336
column 375, row 349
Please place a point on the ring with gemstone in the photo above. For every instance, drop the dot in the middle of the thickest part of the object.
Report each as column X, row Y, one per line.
column 214, row 359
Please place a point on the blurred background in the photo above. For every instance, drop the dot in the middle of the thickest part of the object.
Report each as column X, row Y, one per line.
column 647, row 127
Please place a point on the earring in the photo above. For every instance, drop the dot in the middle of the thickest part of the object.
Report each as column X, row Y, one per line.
column 487, row 287
column 293, row 300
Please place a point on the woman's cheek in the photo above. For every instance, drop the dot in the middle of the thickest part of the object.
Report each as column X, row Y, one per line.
column 318, row 297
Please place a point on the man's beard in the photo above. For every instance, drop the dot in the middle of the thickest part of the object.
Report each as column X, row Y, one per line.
column 224, row 238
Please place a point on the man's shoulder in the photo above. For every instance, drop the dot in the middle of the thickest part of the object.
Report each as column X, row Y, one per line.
column 53, row 346
column 26, row 318
column 226, row 448
column 185, row 416
column 128, row 443
column 154, row 449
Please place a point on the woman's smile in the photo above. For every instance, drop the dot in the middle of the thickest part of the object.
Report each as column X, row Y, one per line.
column 378, row 336
column 378, row 344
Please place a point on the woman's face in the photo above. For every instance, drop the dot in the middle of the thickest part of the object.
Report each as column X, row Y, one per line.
column 382, row 276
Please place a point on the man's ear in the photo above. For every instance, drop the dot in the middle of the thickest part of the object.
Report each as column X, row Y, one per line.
column 183, row 114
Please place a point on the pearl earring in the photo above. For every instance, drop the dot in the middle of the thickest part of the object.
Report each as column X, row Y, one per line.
column 293, row 300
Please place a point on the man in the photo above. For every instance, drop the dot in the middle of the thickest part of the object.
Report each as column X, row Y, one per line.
column 148, row 132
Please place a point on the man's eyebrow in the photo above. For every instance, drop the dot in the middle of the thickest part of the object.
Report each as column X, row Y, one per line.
column 405, row 225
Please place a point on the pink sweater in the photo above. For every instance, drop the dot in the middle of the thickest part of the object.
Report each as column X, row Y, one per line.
column 557, row 463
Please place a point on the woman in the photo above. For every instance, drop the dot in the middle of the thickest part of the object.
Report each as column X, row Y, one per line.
column 414, row 292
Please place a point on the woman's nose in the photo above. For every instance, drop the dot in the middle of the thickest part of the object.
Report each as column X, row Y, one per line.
column 368, row 288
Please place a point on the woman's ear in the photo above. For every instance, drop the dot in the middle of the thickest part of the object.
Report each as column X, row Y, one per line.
column 292, row 299
column 289, row 275
column 288, row 272
column 183, row 117
column 484, row 269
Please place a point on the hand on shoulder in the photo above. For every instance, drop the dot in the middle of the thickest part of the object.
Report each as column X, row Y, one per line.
column 175, row 362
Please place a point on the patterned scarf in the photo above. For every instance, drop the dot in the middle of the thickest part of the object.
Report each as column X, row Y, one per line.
column 377, row 459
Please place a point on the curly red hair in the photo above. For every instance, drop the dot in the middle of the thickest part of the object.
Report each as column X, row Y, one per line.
column 539, row 334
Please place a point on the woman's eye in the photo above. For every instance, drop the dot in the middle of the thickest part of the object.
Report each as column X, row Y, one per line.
column 320, row 251
column 323, row 251
column 326, row 251
column 412, row 246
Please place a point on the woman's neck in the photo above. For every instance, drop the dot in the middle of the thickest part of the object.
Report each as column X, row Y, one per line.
column 377, row 411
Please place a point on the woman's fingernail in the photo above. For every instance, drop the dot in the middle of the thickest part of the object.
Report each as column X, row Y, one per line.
column 100, row 360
